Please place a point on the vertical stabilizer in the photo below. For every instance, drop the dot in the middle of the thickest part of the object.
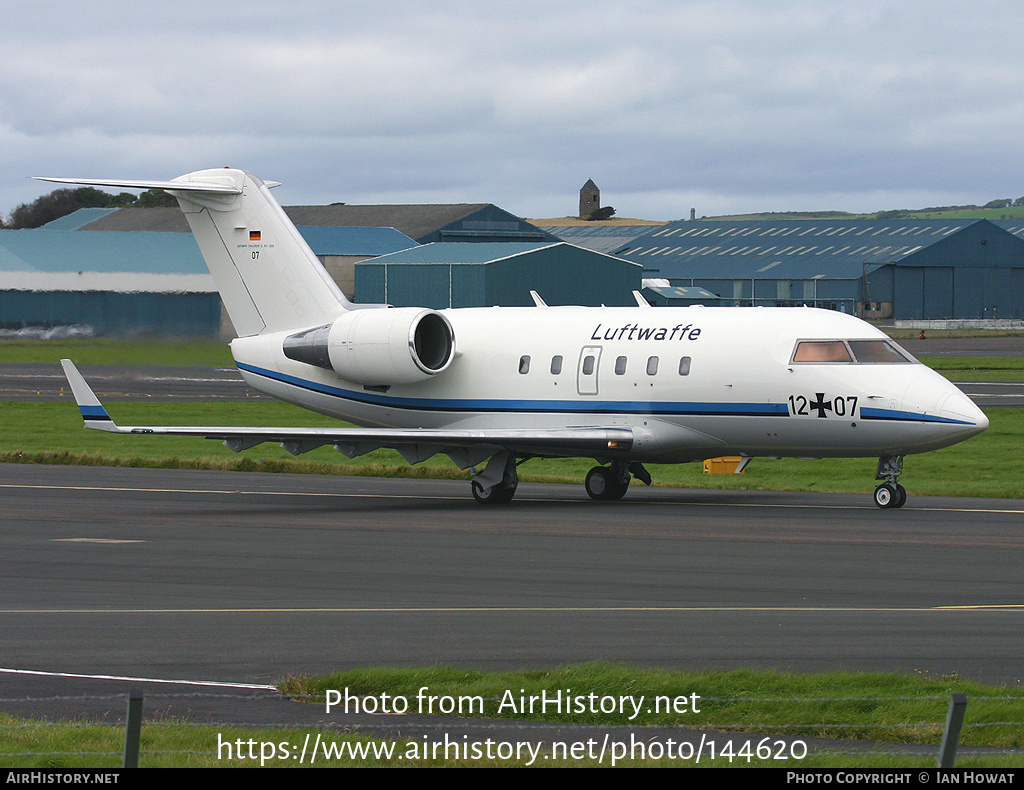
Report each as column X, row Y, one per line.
column 268, row 277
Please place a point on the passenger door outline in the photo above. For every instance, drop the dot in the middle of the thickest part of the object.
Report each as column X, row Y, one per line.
column 586, row 383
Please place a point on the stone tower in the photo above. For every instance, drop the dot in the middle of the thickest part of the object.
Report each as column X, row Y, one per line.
column 590, row 199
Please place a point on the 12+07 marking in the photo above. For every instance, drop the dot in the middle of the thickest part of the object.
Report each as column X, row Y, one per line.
column 800, row 405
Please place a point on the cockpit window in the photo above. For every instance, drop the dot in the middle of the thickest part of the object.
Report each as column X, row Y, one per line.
column 878, row 352
column 822, row 351
column 865, row 352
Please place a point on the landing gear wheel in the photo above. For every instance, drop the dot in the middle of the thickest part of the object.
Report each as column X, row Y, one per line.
column 499, row 495
column 602, row 484
column 890, row 495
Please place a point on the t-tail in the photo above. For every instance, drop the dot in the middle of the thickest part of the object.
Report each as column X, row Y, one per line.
column 269, row 278
column 272, row 284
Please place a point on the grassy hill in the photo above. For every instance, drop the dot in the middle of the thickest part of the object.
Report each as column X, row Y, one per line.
column 939, row 212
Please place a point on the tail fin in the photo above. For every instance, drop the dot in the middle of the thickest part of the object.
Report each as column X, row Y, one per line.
column 267, row 275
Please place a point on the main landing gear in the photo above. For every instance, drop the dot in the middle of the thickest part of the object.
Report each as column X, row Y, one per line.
column 890, row 494
column 497, row 484
column 612, row 482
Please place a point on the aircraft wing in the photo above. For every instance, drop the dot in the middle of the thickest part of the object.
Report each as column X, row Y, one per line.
column 465, row 447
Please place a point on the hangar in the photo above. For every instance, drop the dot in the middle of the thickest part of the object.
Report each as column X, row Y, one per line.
column 132, row 270
column 907, row 268
column 141, row 281
column 120, row 283
column 444, row 275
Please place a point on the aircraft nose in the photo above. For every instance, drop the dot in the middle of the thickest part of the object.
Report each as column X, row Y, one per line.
column 952, row 414
column 957, row 406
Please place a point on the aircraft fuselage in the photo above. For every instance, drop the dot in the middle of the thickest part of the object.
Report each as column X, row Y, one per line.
column 690, row 383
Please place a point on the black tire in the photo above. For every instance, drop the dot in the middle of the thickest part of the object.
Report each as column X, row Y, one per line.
column 499, row 495
column 901, row 498
column 887, row 495
column 600, row 484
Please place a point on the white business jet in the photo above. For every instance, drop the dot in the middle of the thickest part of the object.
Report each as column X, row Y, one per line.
column 624, row 386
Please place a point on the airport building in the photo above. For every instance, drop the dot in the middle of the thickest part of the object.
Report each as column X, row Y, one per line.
column 445, row 275
column 141, row 282
column 139, row 270
column 904, row 269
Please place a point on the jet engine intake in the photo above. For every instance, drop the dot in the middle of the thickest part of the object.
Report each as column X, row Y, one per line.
column 378, row 347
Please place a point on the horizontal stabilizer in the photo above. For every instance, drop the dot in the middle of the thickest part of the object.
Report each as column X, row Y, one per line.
column 178, row 186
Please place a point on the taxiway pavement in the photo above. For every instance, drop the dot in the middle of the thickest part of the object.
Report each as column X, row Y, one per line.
column 249, row 577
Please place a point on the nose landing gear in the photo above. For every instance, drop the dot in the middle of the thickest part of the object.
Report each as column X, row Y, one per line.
column 890, row 494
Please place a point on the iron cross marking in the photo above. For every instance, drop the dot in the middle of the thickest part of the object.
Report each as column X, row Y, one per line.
column 820, row 405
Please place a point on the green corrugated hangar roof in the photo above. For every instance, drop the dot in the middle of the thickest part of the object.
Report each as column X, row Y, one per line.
column 600, row 238
column 785, row 249
column 49, row 250
column 457, row 252
column 76, row 219
column 71, row 251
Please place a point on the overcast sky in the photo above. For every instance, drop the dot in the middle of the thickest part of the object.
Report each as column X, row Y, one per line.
column 723, row 106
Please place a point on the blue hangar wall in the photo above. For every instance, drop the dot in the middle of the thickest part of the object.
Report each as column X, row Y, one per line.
column 482, row 275
column 915, row 268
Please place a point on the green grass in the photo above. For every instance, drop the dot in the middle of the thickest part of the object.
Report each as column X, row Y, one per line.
column 989, row 465
column 112, row 351
column 908, row 333
column 888, row 708
column 46, row 745
column 977, row 212
column 978, row 368
column 864, row 706
column 1009, row 212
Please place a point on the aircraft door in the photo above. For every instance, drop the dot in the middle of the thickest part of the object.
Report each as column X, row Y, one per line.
column 586, row 372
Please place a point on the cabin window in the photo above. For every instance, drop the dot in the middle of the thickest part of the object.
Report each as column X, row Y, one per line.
column 652, row 366
column 588, row 365
column 556, row 365
column 524, row 364
column 684, row 366
column 878, row 352
column 620, row 366
column 821, row 351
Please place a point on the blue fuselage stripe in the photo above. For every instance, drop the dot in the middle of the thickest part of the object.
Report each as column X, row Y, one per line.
column 907, row 416
column 576, row 406
column 529, row 406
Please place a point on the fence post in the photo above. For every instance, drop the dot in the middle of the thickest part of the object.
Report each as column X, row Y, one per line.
column 133, row 728
column 951, row 735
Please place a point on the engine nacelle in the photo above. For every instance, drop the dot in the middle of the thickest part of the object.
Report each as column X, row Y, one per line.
column 378, row 347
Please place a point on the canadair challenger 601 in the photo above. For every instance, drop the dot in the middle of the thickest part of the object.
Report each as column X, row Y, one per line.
column 623, row 386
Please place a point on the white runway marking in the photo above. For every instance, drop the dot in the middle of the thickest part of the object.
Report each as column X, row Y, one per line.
column 213, row 683
column 533, row 609
column 525, row 498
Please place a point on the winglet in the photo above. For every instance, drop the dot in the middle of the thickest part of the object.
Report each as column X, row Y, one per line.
column 93, row 413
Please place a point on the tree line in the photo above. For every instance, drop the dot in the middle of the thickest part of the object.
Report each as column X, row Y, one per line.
column 61, row 202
